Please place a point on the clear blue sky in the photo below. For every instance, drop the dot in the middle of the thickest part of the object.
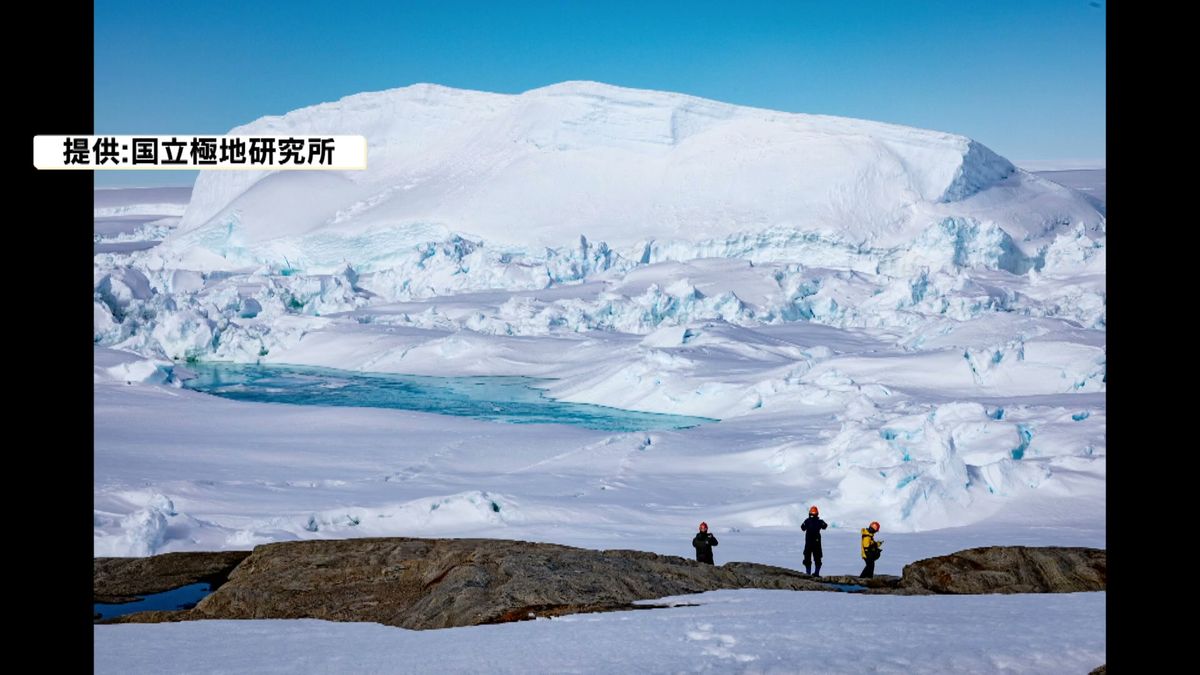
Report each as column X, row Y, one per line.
column 1025, row 78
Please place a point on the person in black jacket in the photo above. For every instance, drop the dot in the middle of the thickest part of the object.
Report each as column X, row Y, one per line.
column 812, row 527
column 703, row 541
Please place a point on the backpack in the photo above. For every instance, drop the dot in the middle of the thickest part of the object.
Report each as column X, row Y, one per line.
column 873, row 551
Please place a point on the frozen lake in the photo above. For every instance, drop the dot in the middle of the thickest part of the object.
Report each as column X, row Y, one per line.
column 514, row 400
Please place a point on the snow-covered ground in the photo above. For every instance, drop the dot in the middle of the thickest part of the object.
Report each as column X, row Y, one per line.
column 156, row 201
column 1091, row 182
column 180, row 470
column 731, row 631
column 891, row 323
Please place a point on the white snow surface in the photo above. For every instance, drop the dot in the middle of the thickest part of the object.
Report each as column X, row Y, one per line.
column 935, row 384
column 730, row 631
column 1062, row 164
column 238, row 474
column 890, row 323
column 125, row 202
column 633, row 169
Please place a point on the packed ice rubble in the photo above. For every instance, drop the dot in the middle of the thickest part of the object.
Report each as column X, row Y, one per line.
column 913, row 313
column 180, row 313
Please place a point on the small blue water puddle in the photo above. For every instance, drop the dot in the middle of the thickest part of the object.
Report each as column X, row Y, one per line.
column 848, row 588
column 512, row 400
column 184, row 597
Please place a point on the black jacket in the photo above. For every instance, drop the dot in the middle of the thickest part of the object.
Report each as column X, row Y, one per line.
column 704, row 541
column 812, row 529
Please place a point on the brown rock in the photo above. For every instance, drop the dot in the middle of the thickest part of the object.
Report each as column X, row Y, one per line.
column 152, row 616
column 878, row 582
column 440, row 583
column 117, row 580
column 1011, row 569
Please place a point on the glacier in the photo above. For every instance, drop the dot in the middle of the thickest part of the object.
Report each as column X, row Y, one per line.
column 895, row 323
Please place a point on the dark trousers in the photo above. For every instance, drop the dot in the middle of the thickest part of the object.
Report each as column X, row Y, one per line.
column 812, row 552
column 869, row 570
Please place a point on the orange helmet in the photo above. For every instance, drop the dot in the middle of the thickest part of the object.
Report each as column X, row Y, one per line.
column 874, row 525
column 812, row 511
column 704, row 526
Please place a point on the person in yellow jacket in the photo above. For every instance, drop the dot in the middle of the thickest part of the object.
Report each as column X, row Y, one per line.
column 870, row 549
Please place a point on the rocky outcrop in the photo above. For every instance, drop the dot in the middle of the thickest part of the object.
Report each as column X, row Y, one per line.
column 1011, row 569
column 880, row 583
column 440, row 583
column 153, row 616
column 116, row 580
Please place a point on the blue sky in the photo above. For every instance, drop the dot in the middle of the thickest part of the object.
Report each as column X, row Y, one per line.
column 1025, row 78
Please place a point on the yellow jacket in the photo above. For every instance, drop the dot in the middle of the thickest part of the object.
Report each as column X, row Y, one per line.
column 868, row 538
